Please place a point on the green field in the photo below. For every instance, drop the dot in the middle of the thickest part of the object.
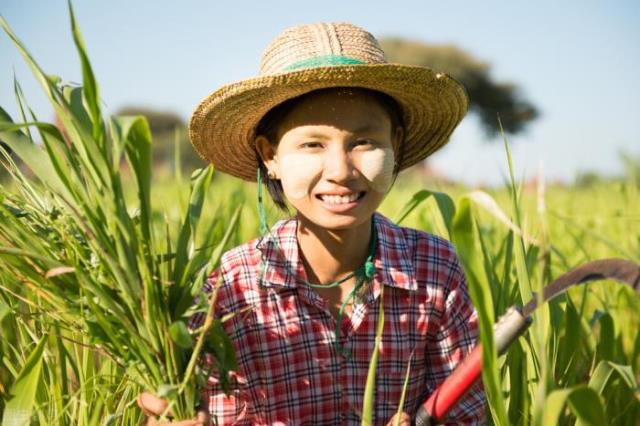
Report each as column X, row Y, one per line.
column 101, row 255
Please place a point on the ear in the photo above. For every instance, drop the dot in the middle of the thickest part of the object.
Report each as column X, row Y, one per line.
column 267, row 153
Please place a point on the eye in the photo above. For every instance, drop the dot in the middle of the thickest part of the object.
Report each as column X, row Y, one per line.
column 311, row 145
column 364, row 143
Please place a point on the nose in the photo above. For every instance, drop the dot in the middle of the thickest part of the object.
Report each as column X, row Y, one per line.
column 338, row 166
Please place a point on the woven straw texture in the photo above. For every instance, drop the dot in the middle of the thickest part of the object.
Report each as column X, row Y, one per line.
column 222, row 127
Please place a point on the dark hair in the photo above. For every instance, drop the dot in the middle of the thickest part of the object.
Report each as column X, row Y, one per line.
column 270, row 123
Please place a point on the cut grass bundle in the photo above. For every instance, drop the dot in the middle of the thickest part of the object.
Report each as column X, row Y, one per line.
column 94, row 264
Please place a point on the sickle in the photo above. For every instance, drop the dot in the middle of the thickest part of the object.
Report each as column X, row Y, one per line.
column 511, row 325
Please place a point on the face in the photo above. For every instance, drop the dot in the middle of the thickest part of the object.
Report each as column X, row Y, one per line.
column 335, row 157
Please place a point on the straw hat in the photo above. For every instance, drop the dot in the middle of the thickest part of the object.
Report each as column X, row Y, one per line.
column 310, row 57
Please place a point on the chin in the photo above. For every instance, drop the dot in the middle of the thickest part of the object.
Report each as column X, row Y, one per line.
column 335, row 222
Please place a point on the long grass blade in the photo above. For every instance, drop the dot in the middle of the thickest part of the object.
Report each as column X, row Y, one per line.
column 22, row 397
column 464, row 239
column 584, row 402
column 368, row 403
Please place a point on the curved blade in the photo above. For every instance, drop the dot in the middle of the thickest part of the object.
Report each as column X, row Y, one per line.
column 621, row 270
column 514, row 323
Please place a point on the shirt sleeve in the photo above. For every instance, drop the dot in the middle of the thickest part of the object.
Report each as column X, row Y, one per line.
column 455, row 337
column 224, row 409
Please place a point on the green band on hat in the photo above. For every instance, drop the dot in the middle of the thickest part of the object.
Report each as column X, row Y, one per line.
column 323, row 61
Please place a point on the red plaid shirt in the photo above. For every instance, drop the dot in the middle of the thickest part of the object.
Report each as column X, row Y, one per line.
column 289, row 369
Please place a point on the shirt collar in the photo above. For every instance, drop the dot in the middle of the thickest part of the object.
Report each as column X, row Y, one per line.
column 282, row 266
column 394, row 265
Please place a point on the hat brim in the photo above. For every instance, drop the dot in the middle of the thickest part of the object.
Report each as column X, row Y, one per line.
column 222, row 127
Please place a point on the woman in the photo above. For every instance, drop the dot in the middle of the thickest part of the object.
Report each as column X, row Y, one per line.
column 327, row 125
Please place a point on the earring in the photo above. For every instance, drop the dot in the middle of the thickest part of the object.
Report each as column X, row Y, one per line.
column 271, row 174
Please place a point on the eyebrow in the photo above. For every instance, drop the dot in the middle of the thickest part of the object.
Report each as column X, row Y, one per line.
column 362, row 129
column 369, row 128
column 314, row 135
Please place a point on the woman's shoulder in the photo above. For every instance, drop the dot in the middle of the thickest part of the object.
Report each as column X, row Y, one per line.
column 236, row 277
column 243, row 262
column 415, row 241
column 244, row 256
column 241, row 267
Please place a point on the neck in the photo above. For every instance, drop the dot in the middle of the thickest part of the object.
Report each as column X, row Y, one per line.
column 330, row 255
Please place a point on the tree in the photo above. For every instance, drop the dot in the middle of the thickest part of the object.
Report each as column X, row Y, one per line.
column 488, row 98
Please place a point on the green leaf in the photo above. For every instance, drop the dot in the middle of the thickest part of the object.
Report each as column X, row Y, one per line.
column 570, row 343
column 518, row 398
column 31, row 154
column 524, row 282
column 200, row 180
column 606, row 342
column 466, row 243
column 111, row 419
column 167, row 391
column 219, row 344
column 445, row 205
column 74, row 97
column 583, row 401
column 46, row 82
column 80, row 141
column 404, row 392
column 369, row 390
column 22, row 396
column 486, row 201
column 4, row 310
column 90, row 86
column 222, row 346
column 135, row 133
column 205, row 259
column 604, row 372
column 22, row 104
column 180, row 334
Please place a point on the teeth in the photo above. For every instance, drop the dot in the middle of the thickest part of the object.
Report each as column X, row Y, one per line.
column 337, row 199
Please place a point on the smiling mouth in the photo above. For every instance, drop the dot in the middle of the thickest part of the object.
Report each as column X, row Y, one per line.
column 340, row 199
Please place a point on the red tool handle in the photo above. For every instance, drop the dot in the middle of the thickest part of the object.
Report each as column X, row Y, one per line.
column 452, row 389
column 511, row 325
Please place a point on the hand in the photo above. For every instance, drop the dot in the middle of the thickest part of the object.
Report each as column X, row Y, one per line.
column 403, row 419
column 153, row 406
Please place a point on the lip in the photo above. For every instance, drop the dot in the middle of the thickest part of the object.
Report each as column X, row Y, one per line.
column 340, row 192
column 340, row 208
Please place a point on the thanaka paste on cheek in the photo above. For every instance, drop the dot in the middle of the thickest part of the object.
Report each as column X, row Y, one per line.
column 377, row 167
column 298, row 172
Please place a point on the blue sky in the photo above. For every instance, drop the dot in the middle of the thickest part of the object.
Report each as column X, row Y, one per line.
column 576, row 60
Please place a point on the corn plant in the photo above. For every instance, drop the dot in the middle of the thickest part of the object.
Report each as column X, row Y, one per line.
column 579, row 361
